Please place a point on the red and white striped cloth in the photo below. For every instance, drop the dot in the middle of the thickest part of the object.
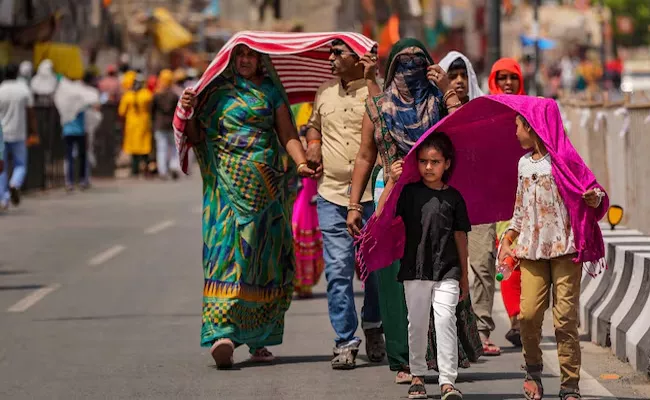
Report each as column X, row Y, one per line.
column 300, row 59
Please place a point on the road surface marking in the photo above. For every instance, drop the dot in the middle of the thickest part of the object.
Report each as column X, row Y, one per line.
column 33, row 298
column 106, row 255
column 152, row 230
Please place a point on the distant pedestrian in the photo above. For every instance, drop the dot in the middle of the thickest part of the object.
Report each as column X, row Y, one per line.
column 17, row 119
column 162, row 112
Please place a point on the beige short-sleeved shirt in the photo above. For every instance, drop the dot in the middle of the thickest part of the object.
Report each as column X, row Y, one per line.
column 337, row 115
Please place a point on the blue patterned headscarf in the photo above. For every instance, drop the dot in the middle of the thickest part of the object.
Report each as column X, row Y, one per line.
column 411, row 102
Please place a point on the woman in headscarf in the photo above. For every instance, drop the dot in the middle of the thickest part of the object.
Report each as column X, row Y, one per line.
column 462, row 76
column 45, row 81
column 135, row 108
column 241, row 131
column 417, row 94
column 506, row 78
column 25, row 71
column 482, row 237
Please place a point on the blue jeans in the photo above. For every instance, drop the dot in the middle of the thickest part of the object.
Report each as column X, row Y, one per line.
column 18, row 152
column 78, row 142
column 338, row 252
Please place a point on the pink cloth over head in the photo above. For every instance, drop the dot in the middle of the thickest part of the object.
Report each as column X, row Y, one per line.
column 301, row 61
column 487, row 154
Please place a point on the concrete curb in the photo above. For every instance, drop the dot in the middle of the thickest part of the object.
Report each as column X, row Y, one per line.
column 615, row 306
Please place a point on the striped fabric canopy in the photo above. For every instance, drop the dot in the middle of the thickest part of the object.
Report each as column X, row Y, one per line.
column 300, row 59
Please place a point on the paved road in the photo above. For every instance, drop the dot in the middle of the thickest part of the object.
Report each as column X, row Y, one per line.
column 100, row 295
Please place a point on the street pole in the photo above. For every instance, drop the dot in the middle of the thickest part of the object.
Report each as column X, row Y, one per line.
column 493, row 12
column 538, row 53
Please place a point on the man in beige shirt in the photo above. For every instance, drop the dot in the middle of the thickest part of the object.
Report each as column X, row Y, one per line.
column 334, row 138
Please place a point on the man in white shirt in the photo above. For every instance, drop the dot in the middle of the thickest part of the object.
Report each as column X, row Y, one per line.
column 16, row 102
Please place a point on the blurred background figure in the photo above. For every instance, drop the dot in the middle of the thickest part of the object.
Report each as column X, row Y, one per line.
column 135, row 108
column 162, row 111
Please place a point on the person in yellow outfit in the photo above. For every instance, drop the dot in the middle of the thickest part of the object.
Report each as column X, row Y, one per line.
column 135, row 108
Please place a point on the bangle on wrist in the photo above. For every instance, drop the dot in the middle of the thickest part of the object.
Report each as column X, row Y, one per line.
column 355, row 207
column 309, row 143
column 301, row 166
column 448, row 95
column 456, row 104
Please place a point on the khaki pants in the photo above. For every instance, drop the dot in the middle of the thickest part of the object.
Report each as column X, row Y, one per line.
column 537, row 278
column 482, row 251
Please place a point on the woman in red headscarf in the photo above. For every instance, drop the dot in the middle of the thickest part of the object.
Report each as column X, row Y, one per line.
column 506, row 78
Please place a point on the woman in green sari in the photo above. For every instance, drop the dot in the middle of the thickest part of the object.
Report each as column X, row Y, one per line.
column 394, row 121
column 240, row 129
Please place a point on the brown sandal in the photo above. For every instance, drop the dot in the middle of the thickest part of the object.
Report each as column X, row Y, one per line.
column 222, row 352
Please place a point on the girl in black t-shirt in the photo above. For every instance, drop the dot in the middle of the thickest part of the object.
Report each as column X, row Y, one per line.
column 434, row 266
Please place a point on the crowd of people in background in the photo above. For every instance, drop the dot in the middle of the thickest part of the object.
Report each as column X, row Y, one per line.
column 145, row 105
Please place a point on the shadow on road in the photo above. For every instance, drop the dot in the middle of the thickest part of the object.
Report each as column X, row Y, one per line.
column 12, row 272
column 20, row 287
column 116, row 317
column 322, row 295
column 516, row 396
column 286, row 360
column 470, row 377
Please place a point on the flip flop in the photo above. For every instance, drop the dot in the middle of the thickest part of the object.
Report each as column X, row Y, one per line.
column 490, row 349
column 262, row 355
column 403, row 378
column 222, row 352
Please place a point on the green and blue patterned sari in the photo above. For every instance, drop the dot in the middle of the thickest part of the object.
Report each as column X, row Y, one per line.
column 248, row 194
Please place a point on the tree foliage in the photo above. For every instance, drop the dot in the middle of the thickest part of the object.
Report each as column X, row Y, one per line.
column 639, row 12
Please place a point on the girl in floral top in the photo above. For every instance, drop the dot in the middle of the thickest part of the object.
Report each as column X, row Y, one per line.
column 547, row 253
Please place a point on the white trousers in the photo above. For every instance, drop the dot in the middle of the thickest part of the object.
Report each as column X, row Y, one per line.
column 166, row 154
column 420, row 296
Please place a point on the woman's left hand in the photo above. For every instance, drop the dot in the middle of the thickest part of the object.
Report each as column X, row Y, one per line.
column 591, row 198
column 305, row 171
column 464, row 288
column 188, row 99
column 437, row 75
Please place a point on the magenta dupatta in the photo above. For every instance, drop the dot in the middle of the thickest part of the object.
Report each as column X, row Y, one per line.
column 487, row 155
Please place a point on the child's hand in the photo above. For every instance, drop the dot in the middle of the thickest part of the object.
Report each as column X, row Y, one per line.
column 592, row 198
column 396, row 170
column 506, row 251
column 464, row 288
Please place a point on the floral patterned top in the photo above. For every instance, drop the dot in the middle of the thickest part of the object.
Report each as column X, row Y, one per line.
column 540, row 216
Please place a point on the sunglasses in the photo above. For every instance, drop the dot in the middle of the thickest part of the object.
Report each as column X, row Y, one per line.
column 339, row 52
column 418, row 61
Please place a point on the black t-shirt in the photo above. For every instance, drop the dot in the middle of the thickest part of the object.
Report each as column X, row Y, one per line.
column 431, row 218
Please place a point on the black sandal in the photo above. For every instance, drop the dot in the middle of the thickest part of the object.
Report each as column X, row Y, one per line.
column 451, row 393
column 567, row 394
column 514, row 337
column 417, row 391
